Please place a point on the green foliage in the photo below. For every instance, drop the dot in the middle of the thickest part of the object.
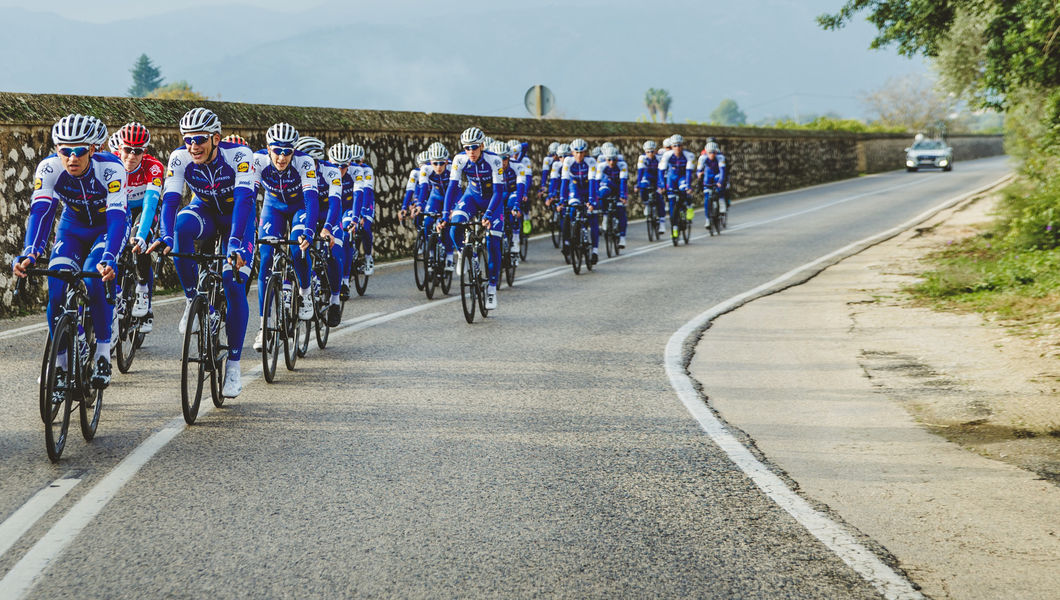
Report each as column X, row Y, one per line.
column 146, row 77
column 178, row 90
column 658, row 102
column 833, row 124
column 728, row 113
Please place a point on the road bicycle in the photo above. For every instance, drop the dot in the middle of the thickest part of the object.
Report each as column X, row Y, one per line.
column 681, row 220
column 609, row 228
column 72, row 340
column 205, row 346
column 419, row 252
column 555, row 224
column 127, row 335
column 279, row 321
column 473, row 271
column 651, row 219
column 359, row 240
column 509, row 262
column 434, row 262
column 322, row 286
column 580, row 240
column 718, row 218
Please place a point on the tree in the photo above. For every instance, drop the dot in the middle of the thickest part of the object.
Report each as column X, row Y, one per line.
column 728, row 113
column 178, row 90
column 658, row 102
column 146, row 77
column 911, row 102
column 664, row 101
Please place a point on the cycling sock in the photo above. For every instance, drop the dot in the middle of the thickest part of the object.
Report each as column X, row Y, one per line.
column 335, row 299
column 102, row 349
column 141, row 288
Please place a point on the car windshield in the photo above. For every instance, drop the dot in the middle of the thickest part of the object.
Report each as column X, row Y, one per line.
column 928, row 145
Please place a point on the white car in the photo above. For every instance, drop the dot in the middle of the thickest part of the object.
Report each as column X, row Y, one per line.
column 929, row 153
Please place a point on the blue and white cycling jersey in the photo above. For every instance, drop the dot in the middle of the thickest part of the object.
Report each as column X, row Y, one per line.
column 612, row 181
column 647, row 171
column 94, row 200
column 555, row 176
column 713, row 170
column 364, row 191
column 485, row 179
column 432, row 185
column 516, row 179
column 226, row 184
column 576, row 180
column 411, row 186
column 293, row 188
column 676, row 170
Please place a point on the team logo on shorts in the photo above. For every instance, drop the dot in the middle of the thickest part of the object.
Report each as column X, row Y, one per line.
column 114, row 186
column 243, row 167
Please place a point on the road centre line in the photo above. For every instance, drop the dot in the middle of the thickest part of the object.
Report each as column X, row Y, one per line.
column 833, row 535
column 19, row 581
column 20, row 521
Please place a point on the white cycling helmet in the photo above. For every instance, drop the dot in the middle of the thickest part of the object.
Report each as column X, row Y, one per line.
column 677, row 140
column 650, row 145
column 563, row 150
column 340, row 154
column 74, row 129
column 101, row 134
column 437, row 151
column 712, row 147
column 472, row 136
column 114, row 143
column 281, row 134
column 608, row 152
column 421, row 158
column 500, row 149
column 310, row 145
column 515, row 147
column 579, row 145
column 358, row 152
column 553, row 147
column 595, row 152
column 200, row 119
column 667, row 143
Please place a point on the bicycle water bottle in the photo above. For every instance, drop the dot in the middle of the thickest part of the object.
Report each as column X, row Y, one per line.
column 690, row 213
column 526, row 226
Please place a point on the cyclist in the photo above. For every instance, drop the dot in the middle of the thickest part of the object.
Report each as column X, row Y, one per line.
column 432, row 187
column 289, row 179
column 409, row 206
column 612, row 177
column 143, row 174
column 221, row 176
column 363, row 214
column 675, row 174
column 647, row 180
column 516, row 178
column 91, row 187
column 329, row 196
column 483, row 195
column 579, row 191
column 114, row 143
column 546, row 168
column 711, row 170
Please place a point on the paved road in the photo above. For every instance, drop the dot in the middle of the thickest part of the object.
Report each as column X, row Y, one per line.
column 541, row 452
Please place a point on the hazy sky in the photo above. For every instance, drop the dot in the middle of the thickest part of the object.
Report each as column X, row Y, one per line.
column 598, row 57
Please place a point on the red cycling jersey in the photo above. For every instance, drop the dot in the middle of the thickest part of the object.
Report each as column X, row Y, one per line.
column 148, row 176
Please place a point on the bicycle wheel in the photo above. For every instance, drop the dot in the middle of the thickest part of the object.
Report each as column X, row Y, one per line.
column 90, row 403
column 468, row 293
column 587, row 249
column 272, row 328
column 651, row 223
column 482, row 279
column 575, row 254
column 554, row 228
column 419, row 263
column 57, row 394
column 430, row 282
column 508, row 264
column 686, row 230
column 322, row 296
column 193, row 361
column 360, row 280
column 128, row 326
column 524, row 245
column 676, row 226
column 610, row 243
column 217, row 349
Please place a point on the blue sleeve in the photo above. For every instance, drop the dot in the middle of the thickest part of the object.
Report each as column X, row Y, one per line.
column 450, row 198
column 46, row 226
column 147, row 217
column 40, row 214
column 117, row 221
column 244, row 209
column 312, row 210
column 564, row 189
column 722, row 176
column 407, row 200
column 496, row 206
column 592, row 192
column 358, row 201
column 170, row 202
column 368, row 203
column 641, row 179
column 622, row 193
column 332, row 222
column 423, row 192
column 520, row 195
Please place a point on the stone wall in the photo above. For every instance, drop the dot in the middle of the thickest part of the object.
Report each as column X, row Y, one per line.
column 761, row 160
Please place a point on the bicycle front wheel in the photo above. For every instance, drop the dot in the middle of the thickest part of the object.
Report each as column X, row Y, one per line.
column 128, row 330
column 468, row 284
column 419, row 263
column 57, row 391
column 90, row 403
column 482, row 280
column 272, row 327
column 292, row 332
column 554, row 229
column 193, row 361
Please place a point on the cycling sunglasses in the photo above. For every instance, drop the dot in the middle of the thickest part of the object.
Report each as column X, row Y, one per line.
column 75, row 151
column 441, row 163
column 472, row 147
column 281, row 151
column 196, row 140
column 132, row 150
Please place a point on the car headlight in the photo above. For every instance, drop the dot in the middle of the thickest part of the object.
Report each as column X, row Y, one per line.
column 943, row 162
column 909, row 162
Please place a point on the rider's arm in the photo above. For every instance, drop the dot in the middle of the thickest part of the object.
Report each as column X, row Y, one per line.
column 663, row 167
column 410, row 189
column 496, row 205
column 244, row 199
column 43, row 206
column 564, row 181
column 117, row 215
column 367, row 205
column 623, row 181
column 331, row 220
column 171, row 193
column 310, row 193
column 453, row 191
column 722, row 177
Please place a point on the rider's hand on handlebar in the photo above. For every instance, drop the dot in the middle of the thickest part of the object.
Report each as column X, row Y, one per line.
column 402, row 214
column 325, row 235
column 106, row 270
column 159, row 244
column 19, row 268
column 303, row 243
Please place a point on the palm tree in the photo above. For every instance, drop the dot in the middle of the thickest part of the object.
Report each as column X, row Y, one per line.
column 651, row 103
column 663, row 101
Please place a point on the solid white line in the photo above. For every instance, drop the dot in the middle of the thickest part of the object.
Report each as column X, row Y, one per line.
column 24, row 518
column 27, row 571
column 834, row 536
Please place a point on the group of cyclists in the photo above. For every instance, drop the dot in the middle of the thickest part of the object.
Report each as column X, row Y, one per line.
column 126, row 201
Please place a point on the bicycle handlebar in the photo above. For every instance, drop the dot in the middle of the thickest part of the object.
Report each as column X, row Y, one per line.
column 68, row 276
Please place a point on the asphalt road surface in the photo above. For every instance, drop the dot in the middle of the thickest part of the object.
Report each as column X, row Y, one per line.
column 541, row 452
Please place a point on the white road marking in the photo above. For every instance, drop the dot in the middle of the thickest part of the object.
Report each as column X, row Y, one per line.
column 24, row 518
column 834, row 536
column 27, row 571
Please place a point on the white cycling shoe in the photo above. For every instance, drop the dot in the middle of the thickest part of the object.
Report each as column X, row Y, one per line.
column 233, row 382
column 259, row 340
column 305, row 308
column 622, row 242
column 183, row 326
column 143, row 304
column 459, row 268
column 449, row 263
column 369, row 264
column 147, row 324
column 491, row 297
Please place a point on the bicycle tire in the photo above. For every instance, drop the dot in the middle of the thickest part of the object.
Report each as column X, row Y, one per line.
column 45, row 366
column 482, row 279
column 508, row 264
column 524, row 245
column 322, row 296
column 218, row 350
column 468, row 295
column 292, row 329
column 272, row 327
column 419, row 263
column 587, row 249
column 610, row 242
column 554, row 229
column 91, row 400
column 360, row 280
column 193, row 342
column 430, row 283
column 678, row 225
column 686, row 231
column 652, row 224
column 126, row 334
column 575, row 253
column 65, row 328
